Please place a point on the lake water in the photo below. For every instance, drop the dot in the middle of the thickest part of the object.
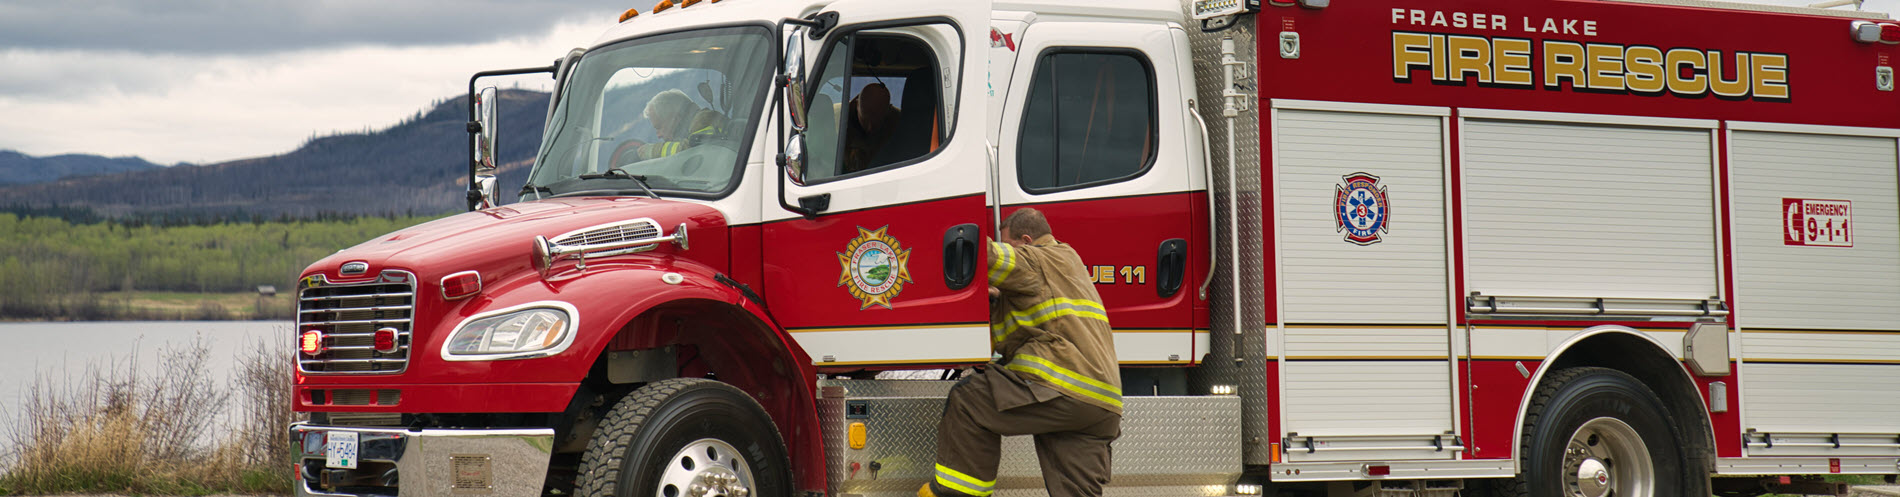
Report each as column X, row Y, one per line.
column 62, row 351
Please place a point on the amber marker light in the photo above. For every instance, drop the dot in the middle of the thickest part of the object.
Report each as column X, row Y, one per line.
column 311, row 343
column 662, row 6
column 629, row 14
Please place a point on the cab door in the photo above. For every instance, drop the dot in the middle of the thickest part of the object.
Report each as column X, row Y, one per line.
column 879, row 270
column 1096, row 135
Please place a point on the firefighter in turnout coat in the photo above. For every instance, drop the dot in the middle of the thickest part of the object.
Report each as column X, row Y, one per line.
column 1055, row 375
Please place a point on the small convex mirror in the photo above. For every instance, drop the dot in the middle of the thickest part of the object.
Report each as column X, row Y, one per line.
column 484, row 154
column 795, row 158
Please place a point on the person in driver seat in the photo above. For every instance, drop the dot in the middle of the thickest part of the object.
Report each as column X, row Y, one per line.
column 680, row 123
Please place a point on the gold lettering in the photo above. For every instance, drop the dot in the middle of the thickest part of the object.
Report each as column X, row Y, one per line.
column 1563, row 60
column 1409, row 51
column 1696, row 83
column 1606, row 67
column 1737, row 87
column 1643, row 69
column 1468, row 55
column 1438, row 58
column 1512, row 60
column 1771, row 75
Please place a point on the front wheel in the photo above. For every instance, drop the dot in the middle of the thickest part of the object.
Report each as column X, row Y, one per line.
column 1596, row 432
column 686, row 437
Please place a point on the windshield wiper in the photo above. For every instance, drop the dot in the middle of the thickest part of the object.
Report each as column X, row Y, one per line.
column 616, row 173
column 532, row 188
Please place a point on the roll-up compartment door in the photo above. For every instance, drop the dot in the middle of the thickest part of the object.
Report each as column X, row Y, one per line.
column 1817, row 290
column 1589, row 211
column 1361, row 231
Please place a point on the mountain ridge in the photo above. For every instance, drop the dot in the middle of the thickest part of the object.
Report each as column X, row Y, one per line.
column 418, row 166
column 18, row 168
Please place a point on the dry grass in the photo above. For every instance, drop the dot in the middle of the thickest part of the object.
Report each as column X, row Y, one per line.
column 121, row 429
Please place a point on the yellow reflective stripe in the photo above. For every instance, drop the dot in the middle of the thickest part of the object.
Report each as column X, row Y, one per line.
column 669, row 148
column 1062, row 377
column 1003, row 263
column 960, row 482
column 1059, row 369
column 1047, row 311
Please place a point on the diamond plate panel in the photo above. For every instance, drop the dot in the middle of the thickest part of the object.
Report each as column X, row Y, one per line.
column 891, row 388
column 1237, row 357
column 1169, row 445
column 832, row 430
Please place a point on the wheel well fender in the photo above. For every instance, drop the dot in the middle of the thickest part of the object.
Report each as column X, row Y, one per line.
column 735, row 338
column 1640, row 355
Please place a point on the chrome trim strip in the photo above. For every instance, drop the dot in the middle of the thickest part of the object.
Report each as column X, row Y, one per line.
column 359, row 321
column 357, row 347
column 1400, row 470
column 361, row 309
column 354, row 361
column 362, row 296
column 370, row 334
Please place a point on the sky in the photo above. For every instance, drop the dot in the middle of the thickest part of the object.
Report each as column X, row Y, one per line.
column 206, row 81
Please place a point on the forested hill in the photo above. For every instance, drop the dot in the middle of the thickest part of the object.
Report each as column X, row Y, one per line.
column 417, row 167
column 17, row 168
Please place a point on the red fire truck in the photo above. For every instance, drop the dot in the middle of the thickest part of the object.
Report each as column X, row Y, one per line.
column 1584, row 248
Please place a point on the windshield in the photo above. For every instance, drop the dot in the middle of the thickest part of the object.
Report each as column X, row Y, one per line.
column 672, row 111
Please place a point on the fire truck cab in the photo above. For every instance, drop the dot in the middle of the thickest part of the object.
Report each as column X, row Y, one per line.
column 1555, row 247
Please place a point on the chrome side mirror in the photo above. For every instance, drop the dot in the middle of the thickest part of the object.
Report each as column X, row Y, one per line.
column 484, row 190
column 795, row 158
column 795, row 78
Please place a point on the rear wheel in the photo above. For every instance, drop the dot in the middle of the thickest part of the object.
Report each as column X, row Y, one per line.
column 686, row 437
column 1596, row 432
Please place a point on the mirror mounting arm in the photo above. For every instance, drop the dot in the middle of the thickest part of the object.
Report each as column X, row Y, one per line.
column 477, row 195
column 819, row 23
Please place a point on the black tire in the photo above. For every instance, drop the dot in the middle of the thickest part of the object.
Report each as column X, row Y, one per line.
column 1561, row 407
column 640, row 437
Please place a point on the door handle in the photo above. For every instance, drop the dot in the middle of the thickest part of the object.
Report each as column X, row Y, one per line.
column 814, row 204
column 959, row 255
column 1170, row 267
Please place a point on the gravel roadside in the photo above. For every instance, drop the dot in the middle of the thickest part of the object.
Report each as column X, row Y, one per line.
column 1875, row 491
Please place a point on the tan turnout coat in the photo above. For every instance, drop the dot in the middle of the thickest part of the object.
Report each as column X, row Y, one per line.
column 1050, row 327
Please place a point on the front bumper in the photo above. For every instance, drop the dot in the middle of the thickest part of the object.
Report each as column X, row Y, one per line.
column 425, row 463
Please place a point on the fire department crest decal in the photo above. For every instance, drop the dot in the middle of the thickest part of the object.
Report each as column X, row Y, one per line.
column 876, row 267
column 1360, row 209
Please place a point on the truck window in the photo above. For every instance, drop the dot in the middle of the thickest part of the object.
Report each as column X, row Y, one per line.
column 876, row 103
column 1089, row 120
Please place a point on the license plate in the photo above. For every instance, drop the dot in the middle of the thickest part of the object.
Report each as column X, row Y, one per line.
column 340, row 450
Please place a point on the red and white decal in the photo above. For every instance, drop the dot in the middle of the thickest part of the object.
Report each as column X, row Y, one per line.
column 1818, row 223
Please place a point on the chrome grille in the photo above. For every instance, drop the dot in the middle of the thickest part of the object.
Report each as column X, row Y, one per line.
column 348, row 315
column 636, row 230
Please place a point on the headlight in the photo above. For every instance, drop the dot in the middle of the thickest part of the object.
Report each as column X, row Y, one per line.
column 534, row 330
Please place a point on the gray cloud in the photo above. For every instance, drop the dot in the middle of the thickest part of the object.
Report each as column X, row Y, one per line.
column 72, row 74
column 258, row 26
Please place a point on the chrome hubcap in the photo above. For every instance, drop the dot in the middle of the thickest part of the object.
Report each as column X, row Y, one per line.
column 1606, row 458
column 706, row 468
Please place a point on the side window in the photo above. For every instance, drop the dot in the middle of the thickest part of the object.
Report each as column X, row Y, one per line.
column 1090, row 119
column 878, row 100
